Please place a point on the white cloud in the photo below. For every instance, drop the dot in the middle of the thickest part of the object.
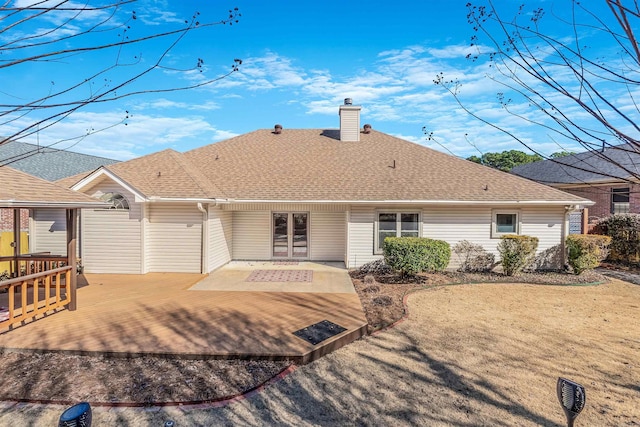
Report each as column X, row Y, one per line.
column 163, row 103
column 101, row 134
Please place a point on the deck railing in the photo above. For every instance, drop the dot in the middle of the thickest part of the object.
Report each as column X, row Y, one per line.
column 26, row 264
column 30, row 296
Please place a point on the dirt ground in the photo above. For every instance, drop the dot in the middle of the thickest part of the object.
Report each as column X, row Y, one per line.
column 472, row 355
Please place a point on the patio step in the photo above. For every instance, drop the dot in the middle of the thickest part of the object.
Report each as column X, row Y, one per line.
column 331, row 344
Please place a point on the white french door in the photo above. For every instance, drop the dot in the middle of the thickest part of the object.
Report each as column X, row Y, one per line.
column 290, row 237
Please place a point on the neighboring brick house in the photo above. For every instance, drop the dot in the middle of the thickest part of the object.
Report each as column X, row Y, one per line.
column 603, row 176
column 47, row 163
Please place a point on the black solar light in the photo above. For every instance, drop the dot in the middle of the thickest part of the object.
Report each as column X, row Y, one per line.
column 169, row 423
column 78, row 415
column 572, row 397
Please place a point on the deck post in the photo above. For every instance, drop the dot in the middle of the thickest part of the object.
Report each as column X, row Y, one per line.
column 585, row 221
column 16, row 242
column 72, row 215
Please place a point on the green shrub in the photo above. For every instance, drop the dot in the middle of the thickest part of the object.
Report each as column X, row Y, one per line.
column 412, row 255
column 586, row 251
column 624, row 230
column 516, row 252
column 473, row 258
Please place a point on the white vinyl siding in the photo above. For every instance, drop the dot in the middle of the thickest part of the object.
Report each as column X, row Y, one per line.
column 327, row 236
column 251, row 235
column 174, row 238
column 349, row 123
column 220, row 238
column 111, row 239
column 544, row 223
column 49, row 232
column 361, row 236
column 453, row 224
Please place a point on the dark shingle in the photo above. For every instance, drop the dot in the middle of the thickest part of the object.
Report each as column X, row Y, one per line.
column 48, row 163
column 587, row 167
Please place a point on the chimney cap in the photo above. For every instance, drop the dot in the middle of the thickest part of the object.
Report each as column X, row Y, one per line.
column 348, row 101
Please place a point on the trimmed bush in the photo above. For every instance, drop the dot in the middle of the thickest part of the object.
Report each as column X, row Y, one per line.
column 586, row 251
column 412, row 255
column 473, row 258
column 516, row 252
column 624, row 230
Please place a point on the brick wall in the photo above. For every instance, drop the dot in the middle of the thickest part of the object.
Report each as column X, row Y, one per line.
column 6, row 220
column 602, row 196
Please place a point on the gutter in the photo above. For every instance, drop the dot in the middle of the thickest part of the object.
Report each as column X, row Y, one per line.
column 64, row 205
column 423, row 202
column 155, row 199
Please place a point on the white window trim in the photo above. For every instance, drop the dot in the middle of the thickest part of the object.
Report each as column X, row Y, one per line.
column 377, row 250
column 494, row 213
column 615, row 206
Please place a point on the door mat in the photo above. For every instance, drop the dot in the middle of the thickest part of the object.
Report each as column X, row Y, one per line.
column 280, row 276
column 285, row 263
column 319, row 332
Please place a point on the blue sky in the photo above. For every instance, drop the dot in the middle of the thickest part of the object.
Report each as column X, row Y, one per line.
column 300, row 60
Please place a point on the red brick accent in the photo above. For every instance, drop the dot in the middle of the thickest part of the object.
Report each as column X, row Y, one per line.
column 6, row 219
column 602, row 196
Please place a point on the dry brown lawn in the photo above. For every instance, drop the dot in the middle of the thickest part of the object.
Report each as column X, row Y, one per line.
column 500, row 348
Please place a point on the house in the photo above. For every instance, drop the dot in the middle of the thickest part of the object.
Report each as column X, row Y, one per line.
column 608, row 177
column 298, row 194
column 47, row 163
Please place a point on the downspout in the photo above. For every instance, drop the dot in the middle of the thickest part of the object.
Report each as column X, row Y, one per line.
column 565, row 233
column 204, row 247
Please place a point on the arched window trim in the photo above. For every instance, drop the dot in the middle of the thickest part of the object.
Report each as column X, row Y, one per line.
column 117, row 200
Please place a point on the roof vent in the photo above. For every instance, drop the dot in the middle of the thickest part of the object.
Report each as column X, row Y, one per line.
column 348, row 101
column 277, row 129
column 367, row 128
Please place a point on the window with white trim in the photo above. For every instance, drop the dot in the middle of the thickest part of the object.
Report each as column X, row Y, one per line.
column 504, row 222
column 396, row 224
column 117, row 200
column 620, row 200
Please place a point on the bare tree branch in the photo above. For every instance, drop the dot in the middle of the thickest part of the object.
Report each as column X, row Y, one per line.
column 50, row 32
column 559, row 74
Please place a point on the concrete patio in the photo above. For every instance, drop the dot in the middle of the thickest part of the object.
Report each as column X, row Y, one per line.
column 195, row 316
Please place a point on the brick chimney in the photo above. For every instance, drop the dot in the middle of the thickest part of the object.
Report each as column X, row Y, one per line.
column 349, row 121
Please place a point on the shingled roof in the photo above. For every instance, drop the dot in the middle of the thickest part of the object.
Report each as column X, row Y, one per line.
column 610, row 164
column 166, row 174
column 47, row 163
column 314, row 165
column 19, row 189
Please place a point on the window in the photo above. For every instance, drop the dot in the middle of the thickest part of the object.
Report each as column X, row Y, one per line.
column 505, row 222
column 396, row 224
column 117, row 200
column 619, row 200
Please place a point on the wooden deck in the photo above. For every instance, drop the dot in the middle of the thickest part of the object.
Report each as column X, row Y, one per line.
column 126, row 315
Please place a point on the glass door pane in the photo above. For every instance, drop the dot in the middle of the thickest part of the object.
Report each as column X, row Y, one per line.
column 300, row 242
column 280, row 235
